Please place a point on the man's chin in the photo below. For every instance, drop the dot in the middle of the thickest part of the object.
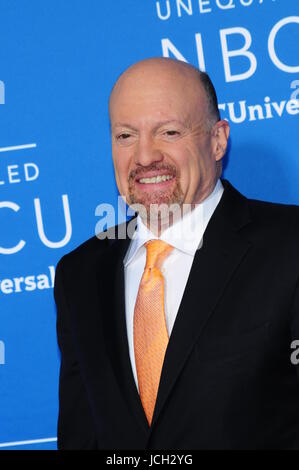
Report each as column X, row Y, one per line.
column 152, row 200
column 156, row 207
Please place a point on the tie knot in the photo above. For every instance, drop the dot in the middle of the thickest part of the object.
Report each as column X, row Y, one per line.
column 156, row 252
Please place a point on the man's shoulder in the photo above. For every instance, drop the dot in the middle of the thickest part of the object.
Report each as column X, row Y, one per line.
column 265, row 220
column 88, row 252
column 265, row 212
column 274, row 214
column 275, row 223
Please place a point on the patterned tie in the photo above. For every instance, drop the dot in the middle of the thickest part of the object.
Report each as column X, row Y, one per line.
column 150, row 332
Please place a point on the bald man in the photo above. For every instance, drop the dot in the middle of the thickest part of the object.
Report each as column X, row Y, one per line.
column 182, row 334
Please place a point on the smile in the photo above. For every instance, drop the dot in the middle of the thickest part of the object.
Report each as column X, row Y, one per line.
column 155, row 179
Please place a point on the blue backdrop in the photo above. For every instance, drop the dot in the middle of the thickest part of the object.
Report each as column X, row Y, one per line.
column 58, row 62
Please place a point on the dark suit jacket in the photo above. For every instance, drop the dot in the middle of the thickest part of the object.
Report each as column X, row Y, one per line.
column 227, row 380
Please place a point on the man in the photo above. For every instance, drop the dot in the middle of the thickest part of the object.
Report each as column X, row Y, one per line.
column 181, row 336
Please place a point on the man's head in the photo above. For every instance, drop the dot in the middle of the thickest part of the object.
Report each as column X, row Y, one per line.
column 165, row 123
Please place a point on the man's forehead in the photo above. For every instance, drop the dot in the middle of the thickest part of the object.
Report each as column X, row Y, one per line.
column 157, row 84
column 129, row 112
column 157, row 73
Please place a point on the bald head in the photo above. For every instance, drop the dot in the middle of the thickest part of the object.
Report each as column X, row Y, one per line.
column 160, row 71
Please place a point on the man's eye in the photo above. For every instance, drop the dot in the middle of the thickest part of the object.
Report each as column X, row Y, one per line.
column 123, row 136
column 171, row 133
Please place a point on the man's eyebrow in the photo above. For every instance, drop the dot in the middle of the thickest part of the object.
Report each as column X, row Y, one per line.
column 170, row 121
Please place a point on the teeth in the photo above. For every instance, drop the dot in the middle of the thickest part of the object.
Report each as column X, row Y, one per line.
column 155, row 179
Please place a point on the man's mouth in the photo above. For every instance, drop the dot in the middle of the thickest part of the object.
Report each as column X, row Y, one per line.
column 155, row 179
column 155, row 186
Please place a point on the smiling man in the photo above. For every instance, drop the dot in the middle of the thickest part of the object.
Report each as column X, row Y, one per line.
column 179, row 337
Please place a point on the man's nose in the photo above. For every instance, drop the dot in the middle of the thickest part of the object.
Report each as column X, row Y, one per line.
column 146, row 152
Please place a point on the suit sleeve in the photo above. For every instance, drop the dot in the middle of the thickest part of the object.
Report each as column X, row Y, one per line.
column 76, row 428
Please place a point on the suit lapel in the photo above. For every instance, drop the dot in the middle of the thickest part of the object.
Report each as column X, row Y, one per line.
column 114, row 324
column 214, row 264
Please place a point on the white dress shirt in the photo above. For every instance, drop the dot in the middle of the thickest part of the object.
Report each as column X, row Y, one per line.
column 185, row 236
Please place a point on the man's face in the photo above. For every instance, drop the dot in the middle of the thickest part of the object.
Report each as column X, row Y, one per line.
column 162, row 149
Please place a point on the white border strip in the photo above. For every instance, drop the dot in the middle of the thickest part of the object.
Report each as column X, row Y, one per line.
column 17, row 147
column 22, row 443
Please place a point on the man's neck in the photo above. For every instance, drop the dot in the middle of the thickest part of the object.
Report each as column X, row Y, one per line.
column 157, row 222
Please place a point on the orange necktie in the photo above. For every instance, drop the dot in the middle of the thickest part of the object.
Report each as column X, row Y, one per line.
column 150, row 332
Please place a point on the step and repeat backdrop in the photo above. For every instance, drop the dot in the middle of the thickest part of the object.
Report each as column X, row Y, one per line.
column 58, row 62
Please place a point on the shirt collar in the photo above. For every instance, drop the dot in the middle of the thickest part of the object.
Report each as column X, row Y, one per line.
column 185, row 234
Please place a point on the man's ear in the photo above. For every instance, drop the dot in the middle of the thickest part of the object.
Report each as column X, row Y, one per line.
column 220, row 135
